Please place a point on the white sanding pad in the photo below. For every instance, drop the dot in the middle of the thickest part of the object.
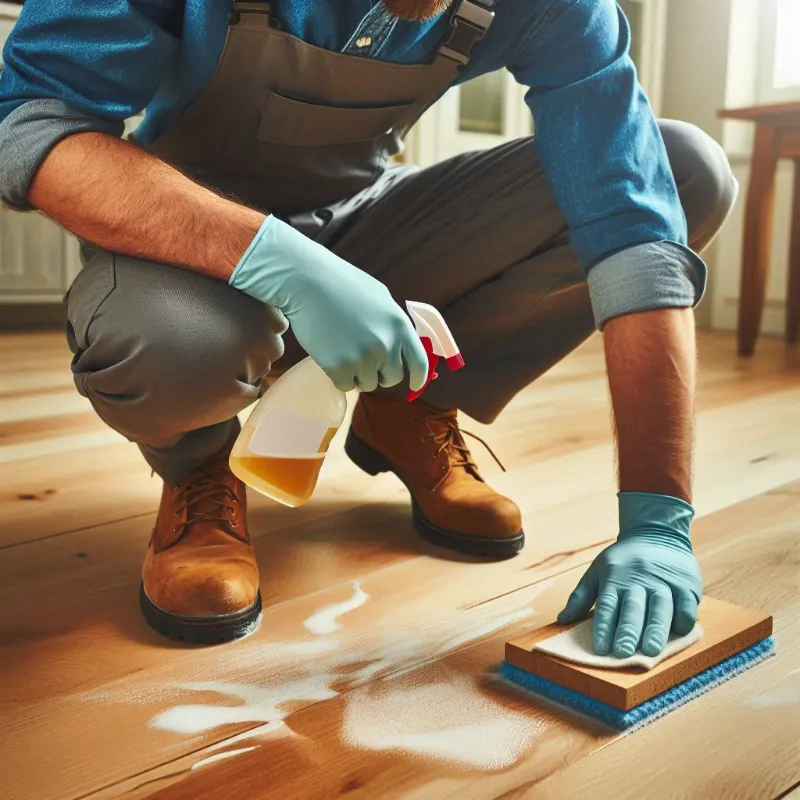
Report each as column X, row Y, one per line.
column 575, row 645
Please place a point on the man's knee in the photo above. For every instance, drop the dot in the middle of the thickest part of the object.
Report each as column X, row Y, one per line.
column 705, row 181
column 162, row 351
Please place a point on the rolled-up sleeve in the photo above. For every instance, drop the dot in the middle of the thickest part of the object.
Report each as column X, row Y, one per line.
column 605, row 160
column 71, row 66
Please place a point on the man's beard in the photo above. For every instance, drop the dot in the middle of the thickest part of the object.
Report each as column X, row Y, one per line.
column 416, row 10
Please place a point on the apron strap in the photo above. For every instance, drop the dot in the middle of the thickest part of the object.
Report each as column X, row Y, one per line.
column 248, row 7
column 470, row 21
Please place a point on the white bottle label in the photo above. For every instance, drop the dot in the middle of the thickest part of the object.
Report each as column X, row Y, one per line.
column 282, row 434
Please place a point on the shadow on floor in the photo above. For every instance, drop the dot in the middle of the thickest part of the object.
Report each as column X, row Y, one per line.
column 88, row 581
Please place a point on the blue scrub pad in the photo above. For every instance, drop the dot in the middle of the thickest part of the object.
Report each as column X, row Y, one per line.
column 651, row 709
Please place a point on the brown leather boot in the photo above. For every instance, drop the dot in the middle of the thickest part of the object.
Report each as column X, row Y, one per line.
column 200, row 577
column 452, row 505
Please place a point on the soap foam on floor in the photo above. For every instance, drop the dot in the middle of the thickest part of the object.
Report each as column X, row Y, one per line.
column 445, row 718
column 462, row 725
column 485, row 629
column 261, row 704
column 326, row 621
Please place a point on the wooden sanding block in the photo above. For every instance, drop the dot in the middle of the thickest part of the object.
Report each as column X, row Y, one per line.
column 727, row 630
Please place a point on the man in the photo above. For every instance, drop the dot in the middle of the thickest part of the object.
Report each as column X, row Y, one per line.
column 257, row 192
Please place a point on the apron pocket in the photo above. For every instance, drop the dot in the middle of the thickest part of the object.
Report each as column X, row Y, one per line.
column 293, row 122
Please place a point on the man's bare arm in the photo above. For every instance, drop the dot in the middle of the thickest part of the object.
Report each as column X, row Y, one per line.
column 121, row 198
column 651, row 370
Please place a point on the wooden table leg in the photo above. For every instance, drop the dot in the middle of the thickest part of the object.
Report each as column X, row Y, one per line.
column 793, row 297
column 757, row 238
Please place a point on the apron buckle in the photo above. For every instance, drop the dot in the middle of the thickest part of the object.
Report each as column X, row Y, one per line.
column 248, row 7
column 470, row 21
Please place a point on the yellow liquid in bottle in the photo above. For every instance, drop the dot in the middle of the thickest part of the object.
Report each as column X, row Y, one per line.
column 288, row 480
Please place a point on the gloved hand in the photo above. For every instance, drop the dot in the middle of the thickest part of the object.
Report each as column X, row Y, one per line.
column 343, row 318
column 646, row 583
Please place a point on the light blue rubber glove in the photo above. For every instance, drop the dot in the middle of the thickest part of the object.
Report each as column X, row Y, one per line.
column 343, row 318
column 646, row 583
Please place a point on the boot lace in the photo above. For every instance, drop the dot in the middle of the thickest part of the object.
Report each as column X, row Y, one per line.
column 208, row 498
column 450, row 440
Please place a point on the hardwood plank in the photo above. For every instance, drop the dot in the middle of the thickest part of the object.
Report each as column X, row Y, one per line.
column 37, row 406
column 70, row 629
column 333, row 538
column 566, row 411
column 86, row 605
column 727, row 629
column 43, row 497
column 381, row 637
column 336, row 754
column 747, row 727
column 48, row 381
column 47, row 448
column 35, row 429
column 106, row 483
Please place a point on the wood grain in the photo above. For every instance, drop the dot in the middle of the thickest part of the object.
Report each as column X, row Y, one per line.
column 737, row 741
column 727, row 629
column 84, row 678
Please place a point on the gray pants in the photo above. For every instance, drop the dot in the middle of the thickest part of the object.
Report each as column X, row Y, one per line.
column 169, row 357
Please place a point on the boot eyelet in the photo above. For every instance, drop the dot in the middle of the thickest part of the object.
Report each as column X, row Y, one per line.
column 176, row 528
column 177, row 513
column 443, row 468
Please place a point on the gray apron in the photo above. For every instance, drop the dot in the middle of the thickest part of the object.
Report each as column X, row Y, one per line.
column 289, row 127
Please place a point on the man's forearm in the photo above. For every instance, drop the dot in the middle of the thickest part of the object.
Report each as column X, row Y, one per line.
column 651, row 369
column 119, row 197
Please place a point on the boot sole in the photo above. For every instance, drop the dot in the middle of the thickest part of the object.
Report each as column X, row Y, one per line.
column 199, row 630
column 372, row 462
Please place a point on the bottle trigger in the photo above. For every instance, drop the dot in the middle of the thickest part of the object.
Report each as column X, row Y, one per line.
column 437, row 340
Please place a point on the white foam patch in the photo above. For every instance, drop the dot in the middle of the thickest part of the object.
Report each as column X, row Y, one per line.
column 784, row 696
column 203, row 762
column 447, row 719
column 326, row 620
column 261, row 704
column 487, row 628
column 252, row 628
column 274, row 654
column 444, row 718
column 391, row 654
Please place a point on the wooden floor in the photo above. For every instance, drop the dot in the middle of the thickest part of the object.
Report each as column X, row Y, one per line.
column 373, row 672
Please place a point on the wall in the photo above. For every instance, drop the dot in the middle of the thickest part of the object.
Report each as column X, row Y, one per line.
column 697, row 44
column 712, row 61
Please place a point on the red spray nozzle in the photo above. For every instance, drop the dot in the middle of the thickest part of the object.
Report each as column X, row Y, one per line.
column 437, row 340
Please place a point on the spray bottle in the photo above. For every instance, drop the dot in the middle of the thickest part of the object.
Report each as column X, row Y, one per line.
column 283, row 444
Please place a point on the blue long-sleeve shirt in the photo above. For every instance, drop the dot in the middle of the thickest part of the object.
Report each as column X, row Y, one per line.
column 73, row 65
